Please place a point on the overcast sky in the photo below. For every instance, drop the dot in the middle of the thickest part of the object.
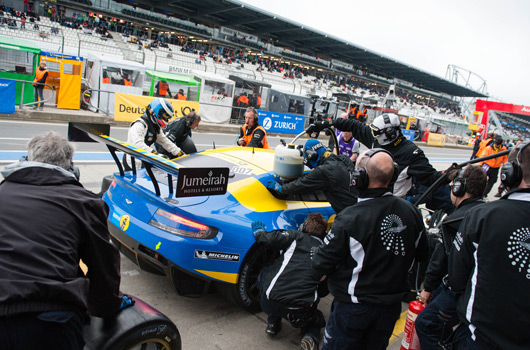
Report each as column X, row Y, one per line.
column 487, row 37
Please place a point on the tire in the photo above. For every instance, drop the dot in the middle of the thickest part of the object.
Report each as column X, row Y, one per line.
column 136, row 327
column 245, row 292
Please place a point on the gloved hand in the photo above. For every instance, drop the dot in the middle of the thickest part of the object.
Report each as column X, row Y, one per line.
column 257, row 226
column 275, row 186
column 126, row 301
column 323, row 124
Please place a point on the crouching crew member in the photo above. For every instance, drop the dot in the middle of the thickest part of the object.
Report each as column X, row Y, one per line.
column 288, row 287
column 367, row 255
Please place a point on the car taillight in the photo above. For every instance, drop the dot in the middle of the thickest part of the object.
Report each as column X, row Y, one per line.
column 178, row 225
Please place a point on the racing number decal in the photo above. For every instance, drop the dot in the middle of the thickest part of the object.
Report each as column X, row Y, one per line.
column 124, row 222
column 242, row 171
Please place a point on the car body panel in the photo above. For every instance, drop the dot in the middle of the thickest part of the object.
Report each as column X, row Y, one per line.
column 133, row 205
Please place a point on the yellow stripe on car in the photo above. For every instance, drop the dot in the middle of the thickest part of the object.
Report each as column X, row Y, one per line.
column 251, row 194
column 221, row 276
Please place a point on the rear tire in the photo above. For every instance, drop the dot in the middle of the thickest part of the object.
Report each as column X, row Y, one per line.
column 245, row 292
column 137, row 327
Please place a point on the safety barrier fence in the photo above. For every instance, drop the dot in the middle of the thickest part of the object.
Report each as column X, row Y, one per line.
column 88, row 101
column 24, row 82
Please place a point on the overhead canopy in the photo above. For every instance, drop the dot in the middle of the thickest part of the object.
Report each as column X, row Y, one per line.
column 282, row 32
column 18, row 44
column 175, row 78
column 248, row 83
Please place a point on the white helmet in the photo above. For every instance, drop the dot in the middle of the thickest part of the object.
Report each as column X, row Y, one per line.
column 386, row 128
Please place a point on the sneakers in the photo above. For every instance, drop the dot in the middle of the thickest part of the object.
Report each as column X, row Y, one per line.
column 308, row 343
column 273, row 328
column 41, row 108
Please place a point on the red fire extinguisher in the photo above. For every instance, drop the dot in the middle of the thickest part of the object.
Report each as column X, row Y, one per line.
column 410, row 338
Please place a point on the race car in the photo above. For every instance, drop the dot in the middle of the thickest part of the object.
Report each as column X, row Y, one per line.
column 202, row 239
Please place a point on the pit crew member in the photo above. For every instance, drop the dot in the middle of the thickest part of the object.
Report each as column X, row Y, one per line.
column 367, row 255
column 331, row 174
column 489, row 265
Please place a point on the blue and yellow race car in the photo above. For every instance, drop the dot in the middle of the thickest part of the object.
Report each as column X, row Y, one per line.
column 201, row 239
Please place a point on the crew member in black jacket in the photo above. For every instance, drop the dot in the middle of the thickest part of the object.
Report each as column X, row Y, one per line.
column 331, row 174
column 288, row 287
column 435, row 323
column 179, row 132
column 414, row 167
column 367, row 255
column 490, row 264
column 48, row 222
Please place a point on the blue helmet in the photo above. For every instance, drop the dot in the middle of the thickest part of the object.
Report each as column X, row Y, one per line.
column 160, row 111
column 313, row 150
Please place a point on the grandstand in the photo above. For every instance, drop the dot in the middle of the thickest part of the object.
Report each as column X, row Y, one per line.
column 221, row 37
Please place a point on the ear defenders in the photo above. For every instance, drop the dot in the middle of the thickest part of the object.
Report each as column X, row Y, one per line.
column 459, row 185
column 73, row 168
column 311, row 153
column 511, row 173
column 192, row 119
column 359, row 176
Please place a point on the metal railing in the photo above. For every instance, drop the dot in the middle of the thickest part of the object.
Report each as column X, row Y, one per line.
column 176, row 58
column 24, row 82
column 13, row 27
column 89, row 102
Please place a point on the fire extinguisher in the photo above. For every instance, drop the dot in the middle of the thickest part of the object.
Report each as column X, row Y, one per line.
column 410, row 339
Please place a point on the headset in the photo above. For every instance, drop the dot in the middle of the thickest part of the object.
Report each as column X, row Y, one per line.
column 192, row 119
column 459, row 185
column 511, row 173
column 73, row 168
column 256, row 118
column 359, row 176
column 311, row 153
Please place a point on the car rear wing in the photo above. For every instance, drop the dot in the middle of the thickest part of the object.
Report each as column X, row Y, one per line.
column 96, row 132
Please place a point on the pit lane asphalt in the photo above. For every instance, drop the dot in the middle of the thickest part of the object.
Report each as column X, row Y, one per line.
column 210, row 322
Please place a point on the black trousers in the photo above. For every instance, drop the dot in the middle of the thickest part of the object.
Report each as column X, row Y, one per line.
column 359, row 326
column 492, row 174
column 310, row 320
column 55, row 330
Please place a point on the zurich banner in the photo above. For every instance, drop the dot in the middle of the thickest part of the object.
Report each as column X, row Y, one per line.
column 281, row 122
column 409, row 134
column 7, row 96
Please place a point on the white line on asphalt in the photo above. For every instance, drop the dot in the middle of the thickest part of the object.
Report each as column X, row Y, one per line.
column 15, row 138
column 29, row 122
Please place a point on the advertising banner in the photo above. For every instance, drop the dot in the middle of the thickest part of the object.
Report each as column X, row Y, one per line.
column 281, row 122
column 129, row 107
column 436, row 140
column 409, row 134
column 7, row 95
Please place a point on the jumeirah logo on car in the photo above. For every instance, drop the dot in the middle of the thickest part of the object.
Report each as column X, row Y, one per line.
column 202, row 181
